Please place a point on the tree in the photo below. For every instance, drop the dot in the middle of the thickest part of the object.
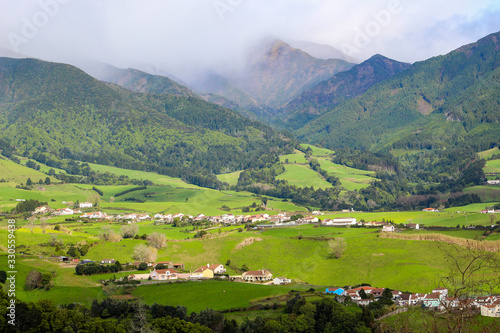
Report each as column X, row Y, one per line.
column 363, row 294
column 143, row 253
column 29, row 182
column 45, row 280
column 386, row 298
column 129, row 231
column 3, row 276
column 106, row 231
column 157, row 240
column 33, row 280
column 114, row 237
column 142, row 266
column 47, row 181
column 337, row 247
column 472, row 270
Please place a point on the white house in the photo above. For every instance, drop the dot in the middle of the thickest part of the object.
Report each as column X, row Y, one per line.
column 341, row 221
column 492, row 310
column 388, row 228
column 494, row 182
column 85, row 205
column 281, row 280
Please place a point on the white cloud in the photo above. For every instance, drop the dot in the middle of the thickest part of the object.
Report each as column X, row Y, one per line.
column 182, row 35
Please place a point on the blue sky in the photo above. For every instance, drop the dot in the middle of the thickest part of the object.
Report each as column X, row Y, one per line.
column 182, row 35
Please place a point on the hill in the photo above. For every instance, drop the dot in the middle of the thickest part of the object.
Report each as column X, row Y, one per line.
column 341, row 87
column 61, row 112
column 281, row 73
column 439, row 102
column 138, row 81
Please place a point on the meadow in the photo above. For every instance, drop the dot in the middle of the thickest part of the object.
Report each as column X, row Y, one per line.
column 351, row 179
column 492, row 166
column 217, row 295
column 302, row 176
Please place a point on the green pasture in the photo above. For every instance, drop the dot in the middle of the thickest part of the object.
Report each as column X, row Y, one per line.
column 230, row 178
column 351, row 179
column 449, row 218
column 14, row 173
column 24, row 236
column 68, row 287
column 488, row 153
column 492, row 166
column 142, row 175
column 487, row 193
column 302, row 176
column 297, row 158
column 217, row 295
column 54, row 195
column 316, row 151
column 472, row 208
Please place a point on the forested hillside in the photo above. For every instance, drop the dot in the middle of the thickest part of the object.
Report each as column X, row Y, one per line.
column 60, row 111
column 341, row 87
column 444, row 101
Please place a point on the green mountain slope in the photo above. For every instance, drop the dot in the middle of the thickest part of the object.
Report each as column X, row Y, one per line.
column 435, row 103
column 341, row 87
column 59, row 110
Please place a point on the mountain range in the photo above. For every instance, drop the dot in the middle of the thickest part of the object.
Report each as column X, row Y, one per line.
column 130, row 118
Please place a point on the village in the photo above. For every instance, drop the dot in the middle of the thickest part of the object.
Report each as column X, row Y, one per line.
column 266, row 220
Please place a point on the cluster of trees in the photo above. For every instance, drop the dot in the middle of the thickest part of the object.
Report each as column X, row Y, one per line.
column 78, row 251
column 314, row 164
column 463, row 200
column 93, row 268
column 27, row 206
column 35, row 280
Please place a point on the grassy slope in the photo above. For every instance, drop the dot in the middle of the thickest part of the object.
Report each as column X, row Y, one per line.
column 67, row 286
column 230, row 178
column 492, row 166
column 301, row 175
column 217, row 295
column 15, row 173
column 488, row 153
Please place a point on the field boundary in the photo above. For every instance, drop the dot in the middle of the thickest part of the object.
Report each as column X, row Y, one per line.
column 489, row 246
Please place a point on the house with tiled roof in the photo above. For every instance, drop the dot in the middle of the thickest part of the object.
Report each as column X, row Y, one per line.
column 208, row 271
column 492, row 310
column 164, row 274
column 336, row 291
column 432, row 300
column 253, row 276
column 377, row 292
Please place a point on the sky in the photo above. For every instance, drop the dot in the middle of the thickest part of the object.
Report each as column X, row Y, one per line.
column 181, row 36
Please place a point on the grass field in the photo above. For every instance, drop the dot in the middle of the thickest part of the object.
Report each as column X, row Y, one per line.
column 68, row 287
column 217, row 295
column 15, row 173
column 492, row 167
column 301, row 175
column 487, row 193
column 230, row 178
column 351, row 179
column 449, row 218
column 316, row 151
column 488, row 153
column 297, row 158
